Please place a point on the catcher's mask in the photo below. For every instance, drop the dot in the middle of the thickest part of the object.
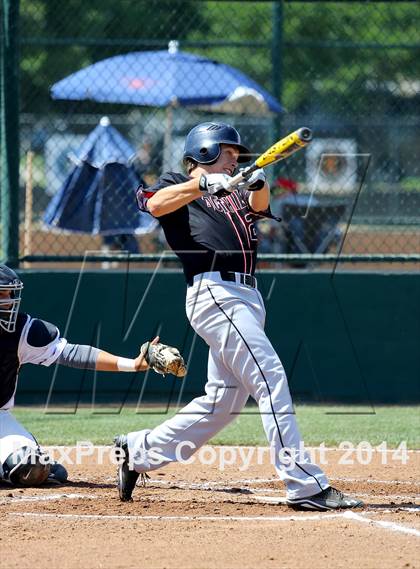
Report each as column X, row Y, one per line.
column 203, row 142
column 10, row 296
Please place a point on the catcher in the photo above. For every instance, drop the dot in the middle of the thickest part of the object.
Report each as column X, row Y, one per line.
column 24, row 339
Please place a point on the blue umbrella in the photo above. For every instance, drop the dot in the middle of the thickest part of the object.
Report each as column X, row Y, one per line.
column 104, row 145
column 98, row 195
column 162, row 79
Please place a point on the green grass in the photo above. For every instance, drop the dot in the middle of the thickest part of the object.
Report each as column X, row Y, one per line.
column 318, row 424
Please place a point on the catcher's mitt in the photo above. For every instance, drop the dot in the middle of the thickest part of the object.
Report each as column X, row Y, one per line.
column 164, row 359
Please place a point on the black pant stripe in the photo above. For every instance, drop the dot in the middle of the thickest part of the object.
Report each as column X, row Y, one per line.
column 265, row 381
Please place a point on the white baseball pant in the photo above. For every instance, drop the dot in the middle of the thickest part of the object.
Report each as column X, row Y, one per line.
column 230, row 318
column 13, row 436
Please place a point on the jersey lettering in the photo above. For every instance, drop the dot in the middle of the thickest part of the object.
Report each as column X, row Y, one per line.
column 210, row 233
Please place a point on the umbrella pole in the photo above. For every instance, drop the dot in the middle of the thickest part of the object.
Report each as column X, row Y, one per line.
column 167, row 139
column 27, row 243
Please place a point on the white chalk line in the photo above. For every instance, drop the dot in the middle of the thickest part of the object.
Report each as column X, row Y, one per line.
column 364, row 480
column 311, row 517
column 383, row 524
column 380, row 510
column 359, row 494
column 251, row 492
column 47, row 498
column 377, row 481
column 233, row 485
column 388, row 496
column 372, row 508
column 208, row 486
column 214, row 486
column 276, row 500
column 303, row 518
column 274, row 480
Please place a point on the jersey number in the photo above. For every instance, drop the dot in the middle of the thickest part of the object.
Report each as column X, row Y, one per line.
column 251, row 227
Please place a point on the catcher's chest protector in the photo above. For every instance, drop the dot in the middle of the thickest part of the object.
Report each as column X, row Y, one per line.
column 9, row 362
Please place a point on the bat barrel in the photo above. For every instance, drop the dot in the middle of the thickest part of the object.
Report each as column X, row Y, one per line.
column 279, row 151
column 305, row 134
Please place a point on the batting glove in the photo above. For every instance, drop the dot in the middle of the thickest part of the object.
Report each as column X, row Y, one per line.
column 255, row 182
column 215, row 184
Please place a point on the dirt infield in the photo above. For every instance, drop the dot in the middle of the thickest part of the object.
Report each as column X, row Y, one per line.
column 198, row 516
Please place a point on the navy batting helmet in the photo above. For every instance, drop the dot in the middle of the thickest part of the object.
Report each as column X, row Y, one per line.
column 203, row 142
column 10, row 291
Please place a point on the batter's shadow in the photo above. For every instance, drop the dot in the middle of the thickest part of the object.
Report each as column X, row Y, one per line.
column 391, row 506
column 7, row 487
column 233, row 490
column 84, row 484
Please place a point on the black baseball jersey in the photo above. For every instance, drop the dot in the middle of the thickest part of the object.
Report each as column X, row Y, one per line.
column 33, row 341
column 209, row 233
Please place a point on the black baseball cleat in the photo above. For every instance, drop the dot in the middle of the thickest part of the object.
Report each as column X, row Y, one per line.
column 328, row 499
column 127, row 478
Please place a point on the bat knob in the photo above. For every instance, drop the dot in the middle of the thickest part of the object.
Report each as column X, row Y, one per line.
column 305, row 134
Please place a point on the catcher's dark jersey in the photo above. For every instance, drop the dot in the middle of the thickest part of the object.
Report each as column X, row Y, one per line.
column 33, row 341
column 209, row 234
column 9, row 361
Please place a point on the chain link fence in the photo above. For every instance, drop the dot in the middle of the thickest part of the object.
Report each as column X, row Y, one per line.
column 348, row 70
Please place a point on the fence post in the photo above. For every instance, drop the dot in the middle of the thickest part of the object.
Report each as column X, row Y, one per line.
column 277, row 67
column 9, row 130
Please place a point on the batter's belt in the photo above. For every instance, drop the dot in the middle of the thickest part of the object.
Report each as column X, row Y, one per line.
column 230, row 276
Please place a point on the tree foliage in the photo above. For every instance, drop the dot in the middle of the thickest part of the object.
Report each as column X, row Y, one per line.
column 59, row 38
column 336, row 56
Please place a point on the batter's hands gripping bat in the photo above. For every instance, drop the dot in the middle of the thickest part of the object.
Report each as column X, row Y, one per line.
column 279, row 151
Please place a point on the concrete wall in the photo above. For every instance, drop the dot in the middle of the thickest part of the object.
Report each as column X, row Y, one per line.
column 351, row 337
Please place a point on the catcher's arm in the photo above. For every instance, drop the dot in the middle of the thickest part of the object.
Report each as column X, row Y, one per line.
column 89, row 357
column 160, row 357
column 110, row 362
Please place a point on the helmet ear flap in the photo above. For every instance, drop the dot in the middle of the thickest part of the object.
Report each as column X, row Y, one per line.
column 209, row 153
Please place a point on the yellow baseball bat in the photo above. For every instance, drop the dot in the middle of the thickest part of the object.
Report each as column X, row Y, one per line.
column 279, row 151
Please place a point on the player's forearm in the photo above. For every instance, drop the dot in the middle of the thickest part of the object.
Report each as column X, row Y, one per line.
column 170, row 199
column 106, row 362
column 260, row 201
column 110, row 362
column 88, row 357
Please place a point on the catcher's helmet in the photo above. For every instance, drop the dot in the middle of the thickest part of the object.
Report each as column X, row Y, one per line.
column 203, row 142
column 9, row 303
column 27, row 466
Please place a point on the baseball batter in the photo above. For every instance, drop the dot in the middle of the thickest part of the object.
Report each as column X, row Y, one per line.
column 23, row 340
column 211, row 229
